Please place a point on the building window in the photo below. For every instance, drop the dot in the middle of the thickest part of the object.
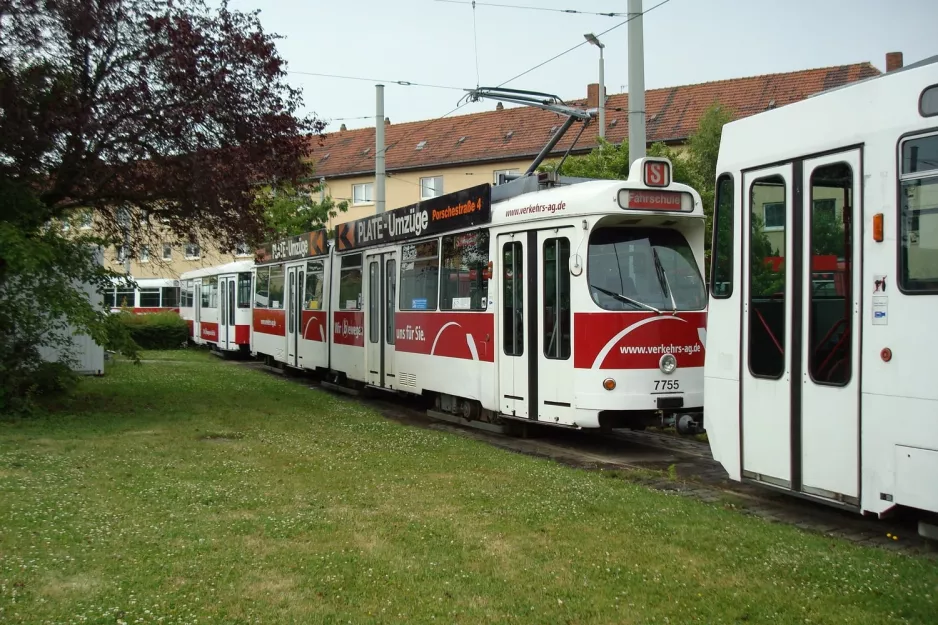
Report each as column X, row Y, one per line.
column 350, row 282
column 150, row 298
column 420, row 269
column 431, row 187
column 773, row 215
column 261, row 289
column 244, row 289
column 918, row 215
column 276, row 286
column 192, row 251
column 465, row 281
column 242, row 249
column 721, row 261
column 167, row 251
column 499, row 172
column 363, row 193
column 145, row 254
column 85, row 220
column 121, row 253
column 314, row 273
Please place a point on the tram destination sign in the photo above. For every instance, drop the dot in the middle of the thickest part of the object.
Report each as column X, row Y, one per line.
column 293, row 248
column 453, row 211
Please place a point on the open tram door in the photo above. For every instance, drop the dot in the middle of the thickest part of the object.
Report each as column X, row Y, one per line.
column 380, row 290
column 800, row 386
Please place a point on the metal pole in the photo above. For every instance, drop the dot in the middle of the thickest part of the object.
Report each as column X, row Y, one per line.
column 379, row 149
column 602, row 98
column 636, row 83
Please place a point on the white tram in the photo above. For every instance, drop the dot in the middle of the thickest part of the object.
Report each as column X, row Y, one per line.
column 824, row 295
column 565, row 301
column 216, row 304
column 150, row 295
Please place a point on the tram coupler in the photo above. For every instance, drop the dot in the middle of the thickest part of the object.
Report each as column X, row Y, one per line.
column 685, row 423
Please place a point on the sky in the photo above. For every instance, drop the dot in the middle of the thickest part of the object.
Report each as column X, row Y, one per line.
column 433, row 42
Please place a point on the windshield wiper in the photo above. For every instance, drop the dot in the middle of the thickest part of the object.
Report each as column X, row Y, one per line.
column 663, row 279
column 623, row 298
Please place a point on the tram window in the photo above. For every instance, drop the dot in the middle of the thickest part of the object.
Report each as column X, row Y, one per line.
column 244, row 289
column 125, row 298
column 928, row 102
column 261, row 292
column 420, row 270
column 374, row 302
column 313, row 298
column 150, row 298
column 276, row 286
column 830, row 328
column 513, row 298
column 648, row 266
column 391, row 276
column 557, row 298
column 170, row 296
column 721, row 262
column 292, row 294
column 350, row 282
column 109, row 300
column 767, row 270
column 210, row 292
column 463, row 283
column 918, row 216
column 185, row 294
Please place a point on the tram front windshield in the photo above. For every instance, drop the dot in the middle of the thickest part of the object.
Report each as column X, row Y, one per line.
column 643, row 269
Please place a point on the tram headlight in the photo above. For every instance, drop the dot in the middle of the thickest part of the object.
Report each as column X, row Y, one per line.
column 668, row 363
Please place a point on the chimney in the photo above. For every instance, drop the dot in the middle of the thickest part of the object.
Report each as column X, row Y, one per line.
column 592, row 95
column 387, row 121
column 499, row 107
column 342, row 127
column 893, row 61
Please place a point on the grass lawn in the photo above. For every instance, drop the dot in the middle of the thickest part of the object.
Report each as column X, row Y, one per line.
column 188, row 490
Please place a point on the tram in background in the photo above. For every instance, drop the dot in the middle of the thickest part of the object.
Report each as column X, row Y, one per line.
column 216, row 304
column 151, row 295
column 828, row 393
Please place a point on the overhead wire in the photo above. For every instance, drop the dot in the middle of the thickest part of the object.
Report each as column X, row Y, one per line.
column 403, row 83
column 582, row 43
column 514, row 6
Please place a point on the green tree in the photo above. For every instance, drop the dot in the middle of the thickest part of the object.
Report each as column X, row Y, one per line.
column 290, row 210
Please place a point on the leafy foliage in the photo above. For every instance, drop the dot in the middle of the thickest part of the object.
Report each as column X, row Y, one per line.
column 290, row 210
column 160, row 116
column 163, row 330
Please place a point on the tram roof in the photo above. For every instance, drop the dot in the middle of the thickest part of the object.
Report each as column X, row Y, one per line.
column 849, row 115
column 233, row 267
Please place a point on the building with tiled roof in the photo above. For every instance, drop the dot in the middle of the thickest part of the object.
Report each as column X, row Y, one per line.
column 432, row 157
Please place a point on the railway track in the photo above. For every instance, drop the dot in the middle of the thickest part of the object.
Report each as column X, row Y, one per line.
column 657, row 460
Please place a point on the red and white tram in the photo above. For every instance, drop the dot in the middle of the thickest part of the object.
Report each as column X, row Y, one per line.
column 151, row 295
column 216, row 304
column 825, row 273
column 289, row 314
column 565, row 301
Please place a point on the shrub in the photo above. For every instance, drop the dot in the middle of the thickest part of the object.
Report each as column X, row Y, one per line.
column 165, row 330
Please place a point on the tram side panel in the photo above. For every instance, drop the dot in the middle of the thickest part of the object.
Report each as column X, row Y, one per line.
column 347, row 350
column 269, row 317
column 313, row 341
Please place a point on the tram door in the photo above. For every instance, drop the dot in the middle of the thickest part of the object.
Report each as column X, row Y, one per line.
column 226, row 321
column 517, row 341
column 381, row 300
column 294, row 305
column 197, row 310
column 799, row 382
column 554, row 354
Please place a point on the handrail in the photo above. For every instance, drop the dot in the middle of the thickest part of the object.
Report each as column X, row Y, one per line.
column 769, row 330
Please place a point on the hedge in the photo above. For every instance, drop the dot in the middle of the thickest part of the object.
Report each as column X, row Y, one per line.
column 165, row 330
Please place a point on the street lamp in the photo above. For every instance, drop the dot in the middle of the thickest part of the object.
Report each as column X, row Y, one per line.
column 602, row 87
